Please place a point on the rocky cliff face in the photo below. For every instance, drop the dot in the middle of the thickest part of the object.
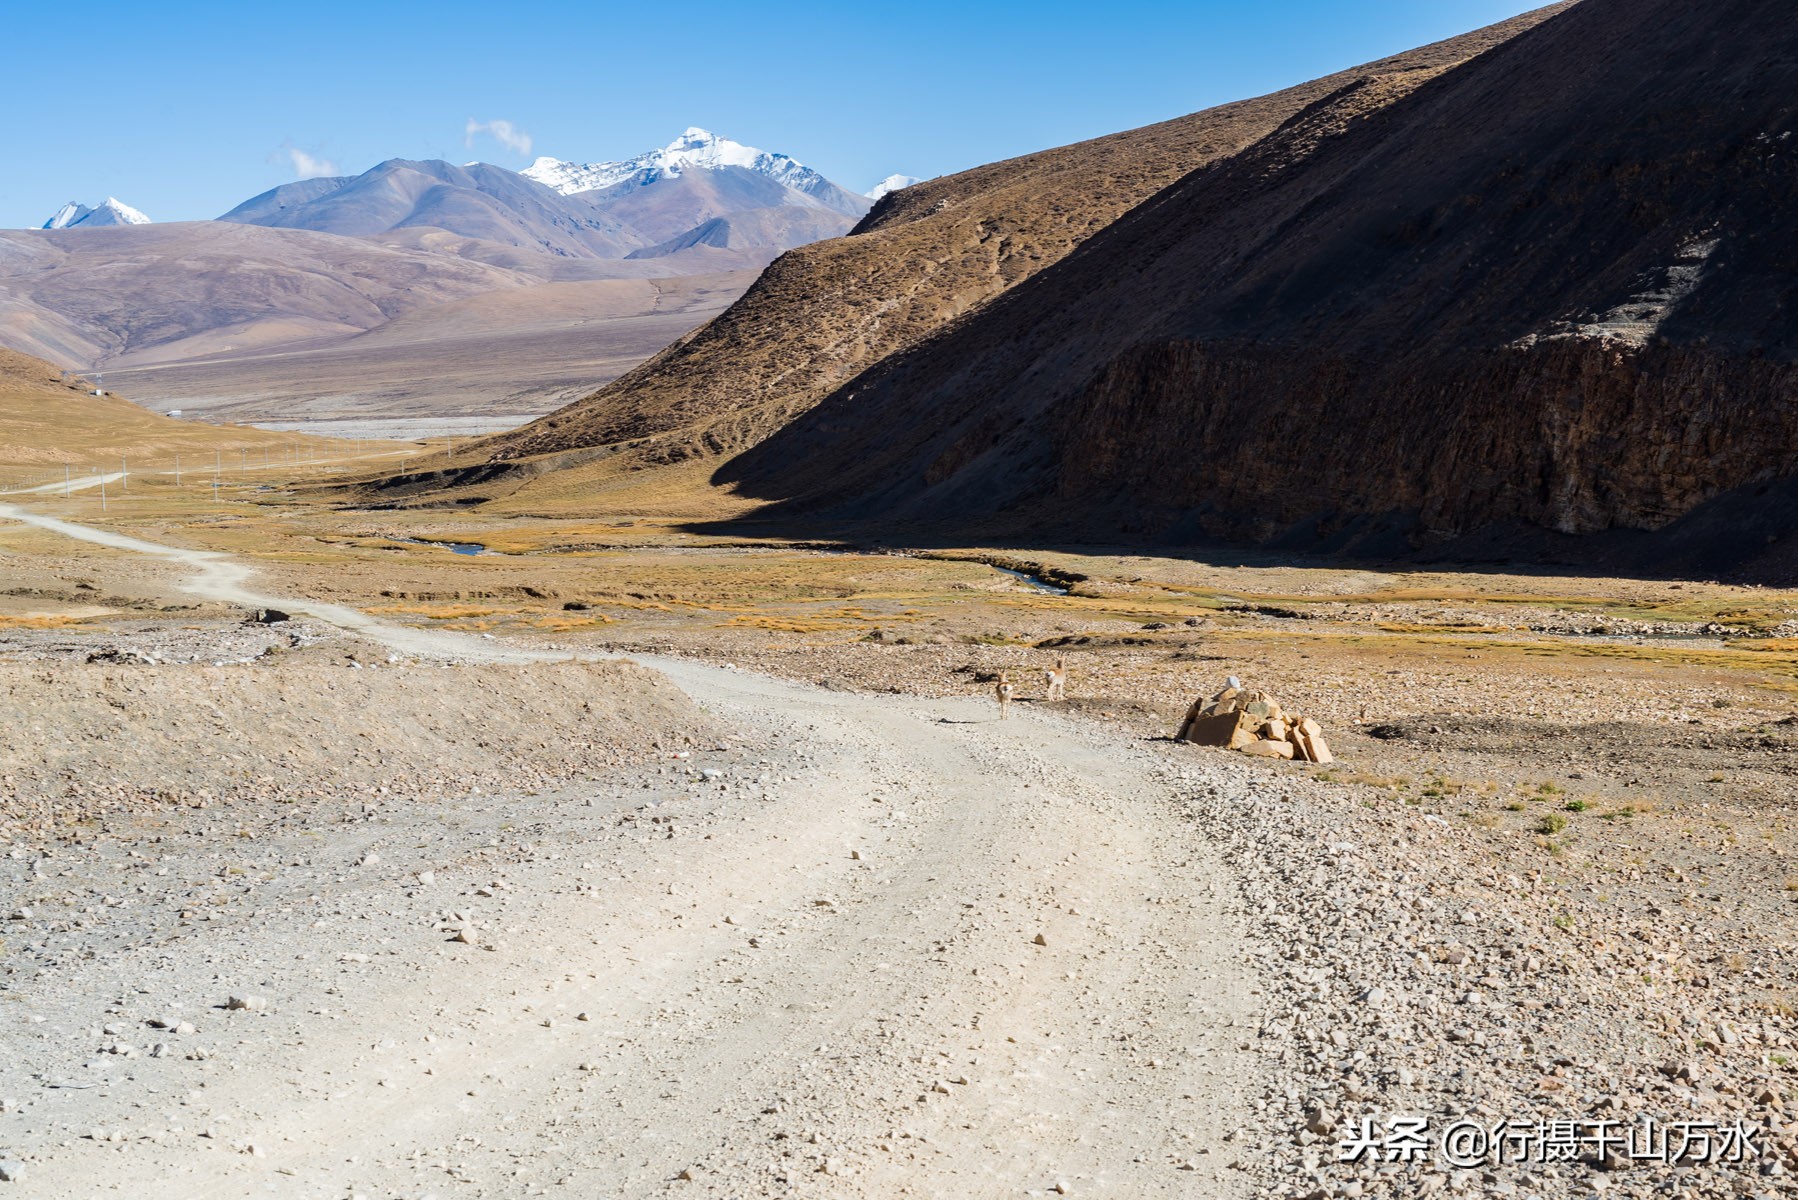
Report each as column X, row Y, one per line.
column 1574, row 436
column 1551, row 287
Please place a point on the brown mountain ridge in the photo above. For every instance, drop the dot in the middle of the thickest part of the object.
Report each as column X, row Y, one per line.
column 924, row 257
column 1546, row 291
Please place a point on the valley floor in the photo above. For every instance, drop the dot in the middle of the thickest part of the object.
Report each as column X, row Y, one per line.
column 842, row 933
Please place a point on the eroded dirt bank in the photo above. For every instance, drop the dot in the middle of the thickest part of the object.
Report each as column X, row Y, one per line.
column 85, row 741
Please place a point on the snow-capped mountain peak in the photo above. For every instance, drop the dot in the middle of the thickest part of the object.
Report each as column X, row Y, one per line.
column 111, row 212
column 891, row 183
column 697, row 147
column 694, row 149
column 67, row 215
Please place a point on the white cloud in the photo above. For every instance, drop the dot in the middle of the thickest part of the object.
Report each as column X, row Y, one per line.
column 308, row 166
column 504, row 132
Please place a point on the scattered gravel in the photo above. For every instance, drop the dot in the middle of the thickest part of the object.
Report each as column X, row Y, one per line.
column 1415, row 970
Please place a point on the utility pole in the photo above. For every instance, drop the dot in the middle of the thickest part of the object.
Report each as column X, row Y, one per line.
column 177, row 470
column 124, row 475
column 102, row 492
column 66, row 490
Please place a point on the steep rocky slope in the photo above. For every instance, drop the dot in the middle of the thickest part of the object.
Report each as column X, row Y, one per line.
column 926, row 255
column 1547, row 290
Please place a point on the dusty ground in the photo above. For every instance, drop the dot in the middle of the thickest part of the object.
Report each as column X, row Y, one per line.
column 1549, row 878
column 852, row 950
column 814, row 977
column 85, row 742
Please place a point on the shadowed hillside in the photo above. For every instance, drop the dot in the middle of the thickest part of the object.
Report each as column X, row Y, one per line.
column 1549, row 290
column 926, row 255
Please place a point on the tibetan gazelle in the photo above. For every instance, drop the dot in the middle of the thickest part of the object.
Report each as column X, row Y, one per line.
column 1004, row 692
column 1056, row 677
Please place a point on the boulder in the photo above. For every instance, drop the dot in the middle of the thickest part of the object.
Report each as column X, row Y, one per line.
column 1308, row 736
column 1194, row 713
column 1240, row 718
column 1230, row 730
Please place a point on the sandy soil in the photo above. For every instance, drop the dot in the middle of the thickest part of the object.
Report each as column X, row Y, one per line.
column 135, row 732
column 814, row 973
column 794, row 946
column 768, row 974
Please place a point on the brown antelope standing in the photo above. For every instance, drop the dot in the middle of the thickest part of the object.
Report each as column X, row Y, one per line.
column 1004, row 692
column 1056, row 677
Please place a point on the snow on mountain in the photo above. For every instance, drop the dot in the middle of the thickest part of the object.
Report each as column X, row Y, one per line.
column 111, row 212
column 67, row 215
column 696, row 149
column 891, row 183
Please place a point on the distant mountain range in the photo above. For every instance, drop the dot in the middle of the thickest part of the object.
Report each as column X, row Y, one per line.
column 110, row 212
column 695, row 150
column 281, row 307
column 700, row 189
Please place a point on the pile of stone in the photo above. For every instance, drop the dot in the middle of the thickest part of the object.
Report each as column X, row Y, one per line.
column 1254, row 723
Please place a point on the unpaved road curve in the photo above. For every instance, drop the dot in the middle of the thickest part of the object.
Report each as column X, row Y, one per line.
column 816, row 974
column 219, row 576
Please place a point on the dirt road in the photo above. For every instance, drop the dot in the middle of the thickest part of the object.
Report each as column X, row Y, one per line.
column 223, row 578
column 78, row 484
column 880, row 946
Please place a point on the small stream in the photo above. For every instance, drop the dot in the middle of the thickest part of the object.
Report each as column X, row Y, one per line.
column 452, row 547
column 1032, row 581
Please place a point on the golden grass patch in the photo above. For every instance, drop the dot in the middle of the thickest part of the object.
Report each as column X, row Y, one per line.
column 785, row 624
column 40, row 621
column 1768, row 646
column 570, row 624
column 436, row 612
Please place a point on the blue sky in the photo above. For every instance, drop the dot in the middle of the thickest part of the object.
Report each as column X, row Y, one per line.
column 186, row 110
